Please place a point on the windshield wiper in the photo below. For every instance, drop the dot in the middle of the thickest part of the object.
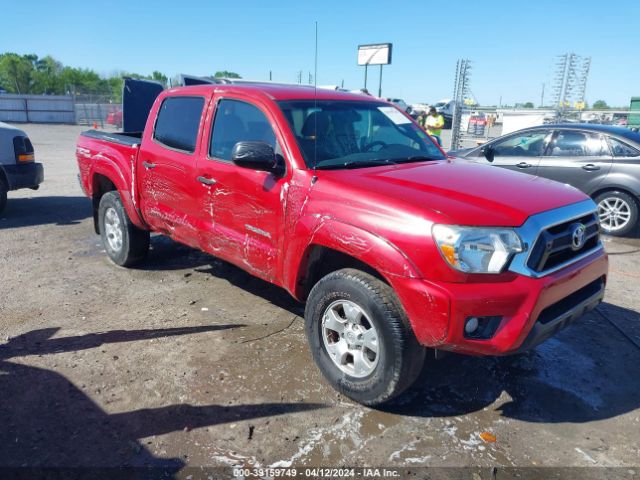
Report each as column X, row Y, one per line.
column 358, row 164
column 415, row 158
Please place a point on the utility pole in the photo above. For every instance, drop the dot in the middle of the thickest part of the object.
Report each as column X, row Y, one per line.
column 542, row 97
column 299, row 76
column 365, row 75
column 270, row 77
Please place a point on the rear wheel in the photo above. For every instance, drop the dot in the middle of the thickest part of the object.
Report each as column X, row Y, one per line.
column 124, row 243
column 360, row 337
column 617, row 212
column 3, row 196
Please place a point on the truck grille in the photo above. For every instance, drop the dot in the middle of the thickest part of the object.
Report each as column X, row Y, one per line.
column 555, row 245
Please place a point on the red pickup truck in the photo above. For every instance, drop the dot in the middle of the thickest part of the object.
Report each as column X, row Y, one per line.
column 346, row 203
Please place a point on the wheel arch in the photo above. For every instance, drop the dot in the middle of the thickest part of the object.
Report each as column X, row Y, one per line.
column 106, row 177
column 335, row 245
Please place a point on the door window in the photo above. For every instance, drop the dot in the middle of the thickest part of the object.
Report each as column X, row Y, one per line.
column 238, row 121
column 621, row 149
column 177, row 123
column 530, row 144
column 577, row 144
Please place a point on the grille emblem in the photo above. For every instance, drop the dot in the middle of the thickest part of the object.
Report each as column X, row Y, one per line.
column 577, row 236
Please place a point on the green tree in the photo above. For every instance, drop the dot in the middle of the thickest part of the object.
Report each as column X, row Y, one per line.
column 16, row 72
column 528, row 105
column 226, row 74
column 600, row 105
column 46, row 78
column 159, row 77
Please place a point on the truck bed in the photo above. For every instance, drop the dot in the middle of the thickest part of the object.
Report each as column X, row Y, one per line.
column 123, row 138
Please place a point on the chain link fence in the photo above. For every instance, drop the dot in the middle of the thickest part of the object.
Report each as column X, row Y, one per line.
column 98, row 110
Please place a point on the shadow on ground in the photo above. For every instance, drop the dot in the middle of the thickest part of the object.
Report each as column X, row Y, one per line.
column 167, row 254
column 27, row 212
column 49, row 422
column 587, row 372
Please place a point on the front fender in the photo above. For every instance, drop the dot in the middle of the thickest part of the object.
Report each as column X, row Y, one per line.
column 348, row 239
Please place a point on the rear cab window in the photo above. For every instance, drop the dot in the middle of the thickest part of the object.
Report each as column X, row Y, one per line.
column 178, row 122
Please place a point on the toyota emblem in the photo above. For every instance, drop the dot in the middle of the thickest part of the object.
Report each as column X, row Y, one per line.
column 577, row 236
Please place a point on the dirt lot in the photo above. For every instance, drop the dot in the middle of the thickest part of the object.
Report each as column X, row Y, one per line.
column 188, row 361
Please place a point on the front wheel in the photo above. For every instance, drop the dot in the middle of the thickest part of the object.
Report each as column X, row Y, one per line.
column 124, row 243
column 360, row 337
column 617, row 212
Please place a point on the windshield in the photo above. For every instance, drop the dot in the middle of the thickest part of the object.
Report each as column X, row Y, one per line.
column 352, row 134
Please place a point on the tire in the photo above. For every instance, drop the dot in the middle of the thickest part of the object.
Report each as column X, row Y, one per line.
column 3, row 196
column 382, row 375
column 124, row 243
column 617, row 212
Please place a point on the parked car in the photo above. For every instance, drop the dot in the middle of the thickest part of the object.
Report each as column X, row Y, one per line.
column 446, row 107
column 115, row 118
column 401, row 104
column 602, row 161
column 345, row 202
column 18, row 168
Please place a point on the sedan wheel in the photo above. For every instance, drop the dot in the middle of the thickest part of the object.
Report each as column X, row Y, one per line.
column 617, row 213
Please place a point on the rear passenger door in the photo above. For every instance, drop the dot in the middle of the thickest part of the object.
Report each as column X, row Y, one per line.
column 166, row 168
column 521, row 152
column 580, row 158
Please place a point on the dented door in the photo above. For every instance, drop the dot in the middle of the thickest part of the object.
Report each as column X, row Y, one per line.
column 167, row 165
column 241, row 209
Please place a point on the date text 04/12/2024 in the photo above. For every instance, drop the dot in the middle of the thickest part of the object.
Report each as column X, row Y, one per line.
column 315, row 473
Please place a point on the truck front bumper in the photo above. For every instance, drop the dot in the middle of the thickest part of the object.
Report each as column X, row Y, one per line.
column 524, row 311
column 26, row 175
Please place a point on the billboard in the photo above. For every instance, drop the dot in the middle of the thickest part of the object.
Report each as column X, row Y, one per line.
column 374, row 54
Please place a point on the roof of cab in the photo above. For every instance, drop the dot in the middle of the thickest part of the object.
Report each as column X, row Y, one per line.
column 276, row 91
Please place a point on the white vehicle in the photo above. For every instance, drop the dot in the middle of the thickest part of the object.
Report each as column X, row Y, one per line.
column 445, row 108
column 401, row 104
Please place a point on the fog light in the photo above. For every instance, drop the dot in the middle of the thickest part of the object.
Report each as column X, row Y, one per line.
column 481, row 328
column 471, row 325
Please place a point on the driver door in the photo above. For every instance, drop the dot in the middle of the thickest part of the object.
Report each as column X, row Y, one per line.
column 241, row 214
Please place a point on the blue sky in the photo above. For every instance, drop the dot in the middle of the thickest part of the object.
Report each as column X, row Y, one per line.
column 512, row 43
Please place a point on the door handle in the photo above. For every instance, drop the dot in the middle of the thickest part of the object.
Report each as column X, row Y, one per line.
column 523, row 165
column 590, row 167
column 148, row 165
column 206, row 181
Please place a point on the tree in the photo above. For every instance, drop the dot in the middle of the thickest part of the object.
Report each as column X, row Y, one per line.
column 600, row 105
column 226, row 74
column 16, row 72
column 528, row 105
column 159, row 77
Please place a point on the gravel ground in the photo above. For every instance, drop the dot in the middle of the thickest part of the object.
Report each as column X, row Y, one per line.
column 188, row 361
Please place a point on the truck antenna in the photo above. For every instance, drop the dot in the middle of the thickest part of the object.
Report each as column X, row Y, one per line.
column 315, row 102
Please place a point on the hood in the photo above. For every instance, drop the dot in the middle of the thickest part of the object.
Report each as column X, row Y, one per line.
column 451, row 191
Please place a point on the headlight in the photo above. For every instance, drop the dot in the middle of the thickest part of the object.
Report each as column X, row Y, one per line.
column 476, row 249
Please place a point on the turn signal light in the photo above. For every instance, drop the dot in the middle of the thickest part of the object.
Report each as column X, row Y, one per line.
column 26, row 157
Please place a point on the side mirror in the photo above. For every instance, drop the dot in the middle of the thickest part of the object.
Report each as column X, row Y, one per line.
column 255, row 155
column 488, row 152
